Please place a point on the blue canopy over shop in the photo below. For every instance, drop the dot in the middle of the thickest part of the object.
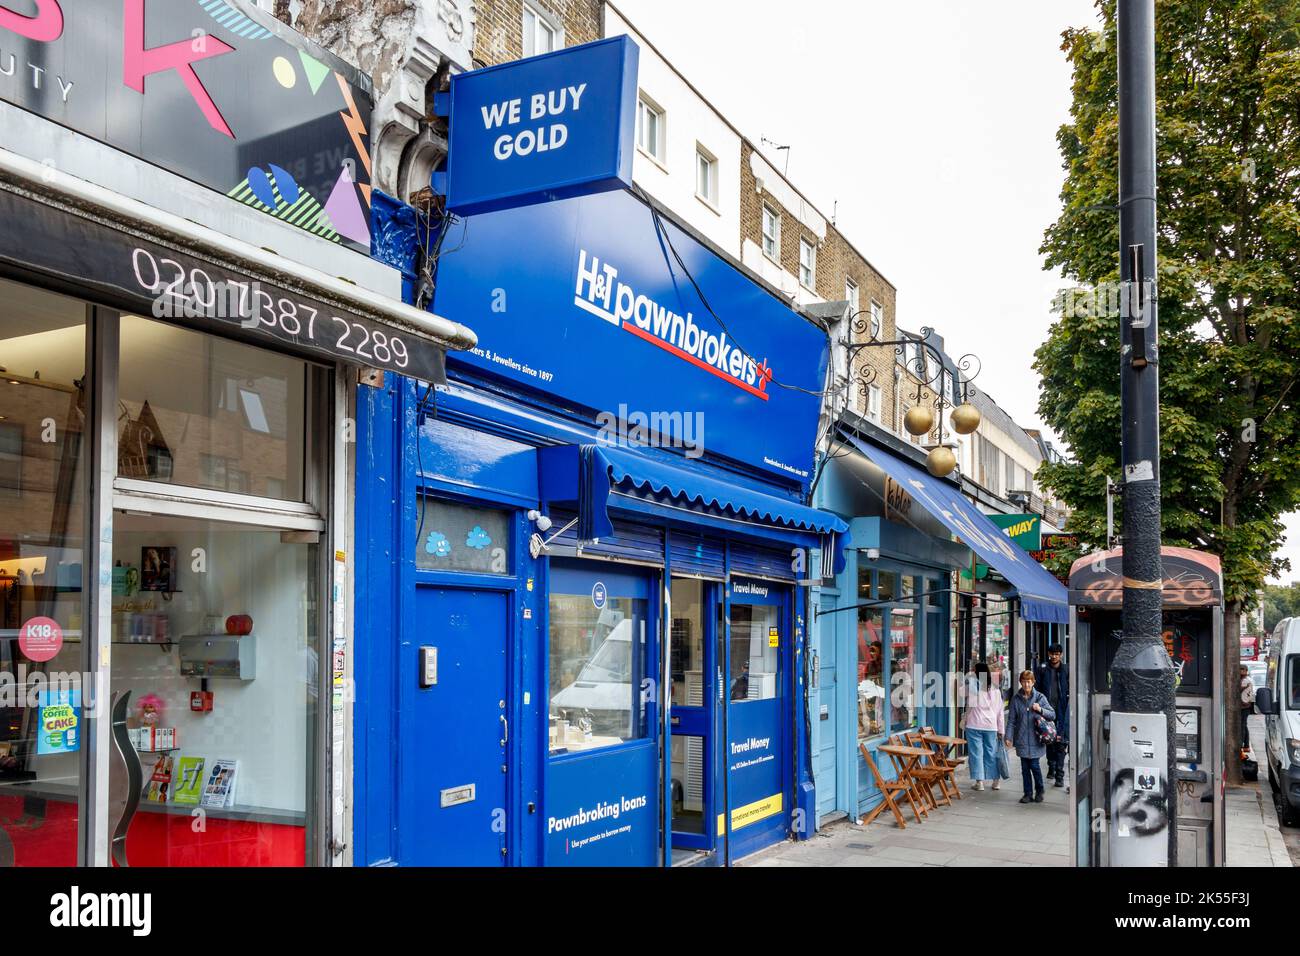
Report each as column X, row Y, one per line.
column 589, row 475
column 1042, row 597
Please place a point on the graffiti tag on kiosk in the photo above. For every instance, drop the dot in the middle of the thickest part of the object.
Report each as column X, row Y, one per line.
column 1189, row 588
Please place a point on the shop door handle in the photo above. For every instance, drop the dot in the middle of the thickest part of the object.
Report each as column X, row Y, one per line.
column 505, row 730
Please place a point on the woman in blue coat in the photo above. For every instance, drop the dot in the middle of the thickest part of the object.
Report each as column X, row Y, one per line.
column 1025, row 704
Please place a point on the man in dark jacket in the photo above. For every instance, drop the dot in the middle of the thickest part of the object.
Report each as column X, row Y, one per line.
column 1052, row 680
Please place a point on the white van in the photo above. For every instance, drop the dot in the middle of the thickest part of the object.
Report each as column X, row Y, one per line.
column 1279, row 701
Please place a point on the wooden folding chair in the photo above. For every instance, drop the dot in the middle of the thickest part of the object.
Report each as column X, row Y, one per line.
column 947, row 769
column 956, row 759
column 888, row 789
column 929, row 773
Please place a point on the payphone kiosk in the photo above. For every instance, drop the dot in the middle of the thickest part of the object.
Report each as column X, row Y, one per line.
column 1193, row 634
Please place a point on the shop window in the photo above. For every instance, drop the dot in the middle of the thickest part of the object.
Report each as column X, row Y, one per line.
column 902, row 669
column 887, row 585
column 871, row 664
column 597, row 658
column 864, row 582
column 205, row 412
column 755, row 643
column 43, row 401
column 907, row 587
column 456, row 537
column 936, row 596
column 234, row 611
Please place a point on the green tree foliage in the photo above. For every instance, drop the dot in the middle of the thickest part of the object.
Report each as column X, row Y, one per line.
column 1279, row 602
column 1228, row 131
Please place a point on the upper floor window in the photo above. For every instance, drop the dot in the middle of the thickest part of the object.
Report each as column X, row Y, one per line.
column 706, row 176
column 877, row 319
column 542, row 33
column 650, row 128
column 771, row 233
column 851, row 293
column 873, row 403
column 807, row 263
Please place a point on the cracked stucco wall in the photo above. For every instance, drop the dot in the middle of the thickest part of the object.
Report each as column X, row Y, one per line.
column 374, row 35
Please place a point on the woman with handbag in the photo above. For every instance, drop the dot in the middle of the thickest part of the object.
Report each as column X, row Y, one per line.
column 983, row 724
column 1029, row 729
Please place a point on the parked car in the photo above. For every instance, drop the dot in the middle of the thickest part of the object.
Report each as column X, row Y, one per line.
column 1279, row 702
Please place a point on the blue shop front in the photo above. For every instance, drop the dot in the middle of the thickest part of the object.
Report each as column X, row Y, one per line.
column 885, row 644
column 584, row 555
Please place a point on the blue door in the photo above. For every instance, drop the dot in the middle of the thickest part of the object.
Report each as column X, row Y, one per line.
column 758, row 715
column 602, row 803
column 454, row 728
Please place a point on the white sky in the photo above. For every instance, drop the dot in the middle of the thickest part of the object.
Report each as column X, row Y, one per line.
column 933, row 125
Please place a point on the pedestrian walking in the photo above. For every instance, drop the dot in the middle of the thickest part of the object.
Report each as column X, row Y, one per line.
column 1247, row 705
column 1052, row 680
column 1028, row 704
column 984, row 724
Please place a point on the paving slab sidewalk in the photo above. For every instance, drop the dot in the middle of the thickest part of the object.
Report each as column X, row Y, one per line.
column 990, row 828
column 1254, row 835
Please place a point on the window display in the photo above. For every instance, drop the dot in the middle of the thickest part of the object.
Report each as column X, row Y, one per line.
column 597, row 657
column 871, row 665
column 754, row 651
column 902, row 661
column 43, row 401
column 239, row 619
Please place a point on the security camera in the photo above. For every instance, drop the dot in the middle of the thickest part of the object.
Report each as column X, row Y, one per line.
column 543, row 523
column 873, row 554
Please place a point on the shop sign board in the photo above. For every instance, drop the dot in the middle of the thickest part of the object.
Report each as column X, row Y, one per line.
column 600, row 809
column 1024, row 529
column 158, row 281
column 218, row 92
column 585, row 300
column 543, row 128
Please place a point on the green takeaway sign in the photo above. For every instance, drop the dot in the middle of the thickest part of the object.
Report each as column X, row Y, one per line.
column 1024, row 530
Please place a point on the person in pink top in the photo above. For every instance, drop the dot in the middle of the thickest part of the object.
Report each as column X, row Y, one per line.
column 984, row 723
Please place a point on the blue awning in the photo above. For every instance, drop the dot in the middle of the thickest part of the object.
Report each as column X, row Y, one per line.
column 586, row 475
column 1042, row 597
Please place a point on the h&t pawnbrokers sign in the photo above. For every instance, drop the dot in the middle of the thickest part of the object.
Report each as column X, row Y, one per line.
column 543, row 128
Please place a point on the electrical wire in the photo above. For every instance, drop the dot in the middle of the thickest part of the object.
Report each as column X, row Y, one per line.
column 664, row 234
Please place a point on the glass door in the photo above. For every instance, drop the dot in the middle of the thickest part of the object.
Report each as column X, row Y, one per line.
column 758, row 714
column 694, row 679
column 44, row 393
column 602, row 782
